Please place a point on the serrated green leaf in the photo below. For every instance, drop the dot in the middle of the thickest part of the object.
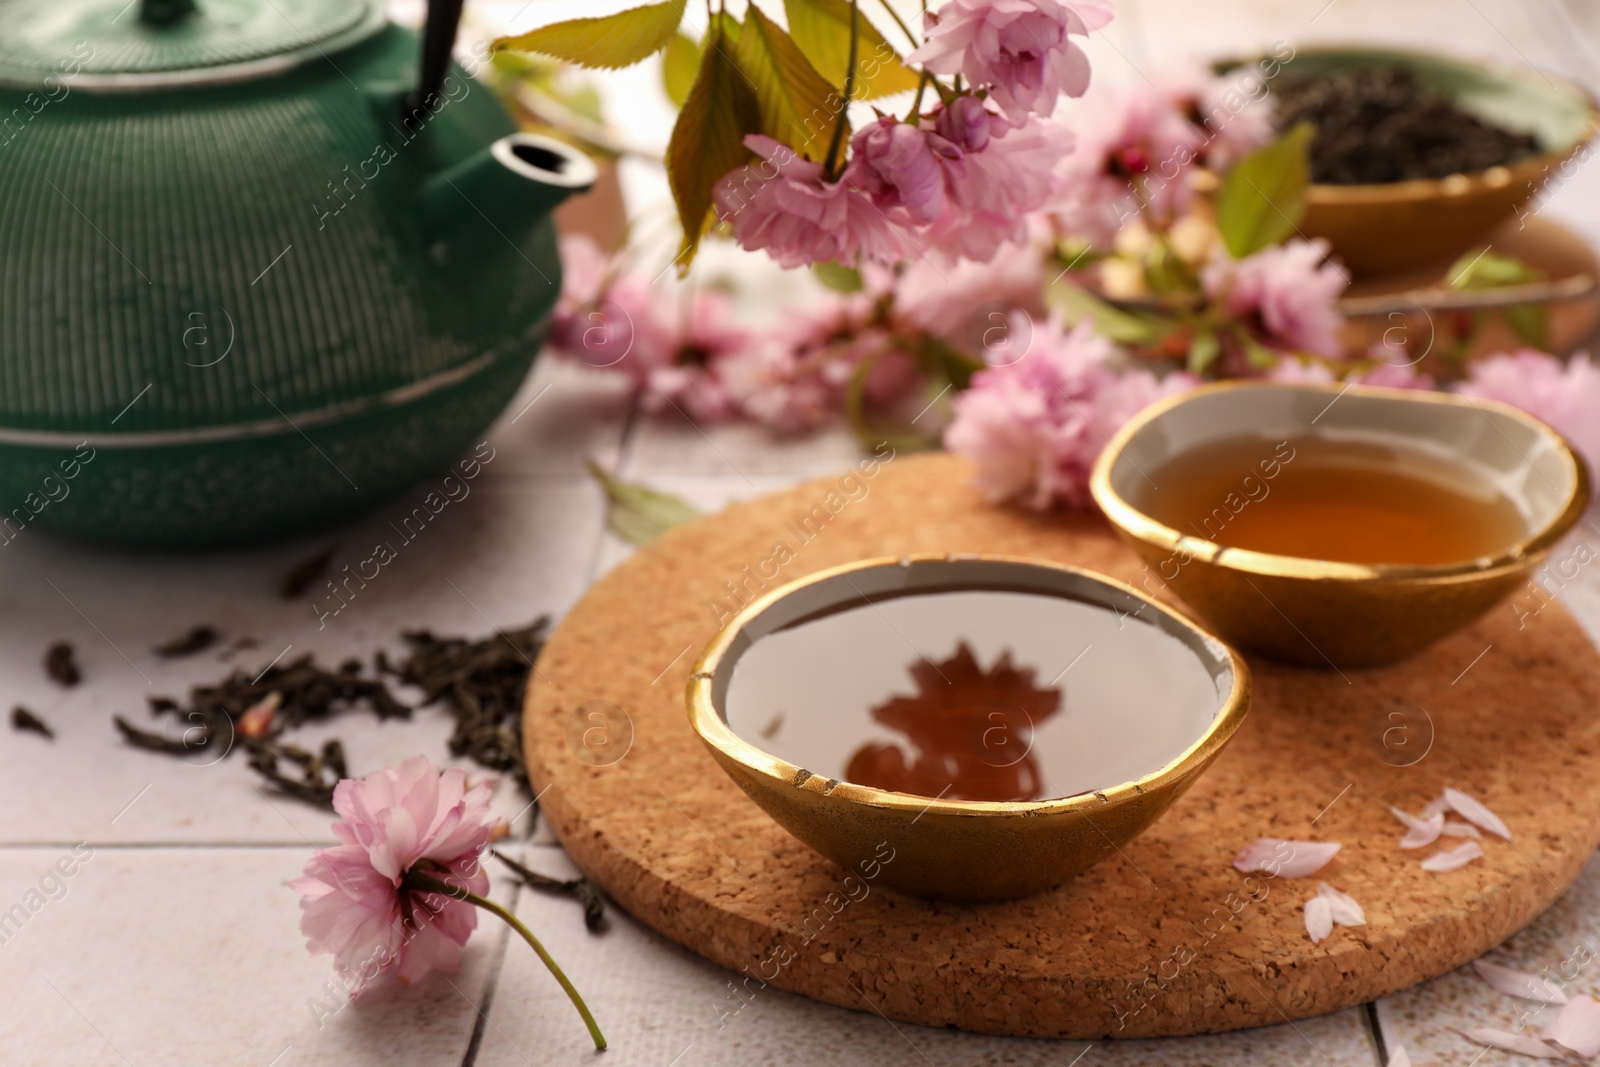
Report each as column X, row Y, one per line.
column 608, row 41
column 1076, row 304
column 798, row 107
column 821, row 29
column 679, row 63
column 708, row 139
column 1262, row 199
column 638, row 514
column 837, row 276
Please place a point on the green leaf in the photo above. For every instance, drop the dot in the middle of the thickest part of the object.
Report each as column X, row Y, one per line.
column 797, row 106
column 1077, row 304
column 837, row 276
column 708, row 139
column 1262, row 199
column 610, row 41
column 679, row 63
column 821, row 28
column 872, row 429
column 638, row 514
column 1483, row 269
column 1530, row 322
column 1203, row 351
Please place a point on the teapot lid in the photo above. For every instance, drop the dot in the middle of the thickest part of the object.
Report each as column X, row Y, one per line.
column 131, row 45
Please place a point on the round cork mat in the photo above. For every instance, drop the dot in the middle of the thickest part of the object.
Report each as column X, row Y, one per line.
column 1163, row 938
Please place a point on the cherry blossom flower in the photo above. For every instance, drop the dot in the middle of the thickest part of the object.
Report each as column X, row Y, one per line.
column 399, row 891
column 951, row 301
column 1005, row 172
column 1232, row 112
column 900, row 165
column 1021, row 51
column 1287, row 294
column 1034, row 427
column 1564, row 395
column 606, row 314
column 355, row 903
column 1131, row 159
column 787, row 206
column 689, row 377
column 794, row 377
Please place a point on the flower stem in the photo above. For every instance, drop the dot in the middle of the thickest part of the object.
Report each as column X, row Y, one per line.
column 898, row 21
column 849, row 89
column 417, row 880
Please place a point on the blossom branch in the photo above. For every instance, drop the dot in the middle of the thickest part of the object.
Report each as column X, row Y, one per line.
column 415, row 879
column 849, row 90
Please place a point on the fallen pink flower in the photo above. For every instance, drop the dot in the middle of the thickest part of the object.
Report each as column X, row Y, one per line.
column 400, row 891
column 1285, row 859
column 1453, row 858
column 1527, row 1046
column 1577, row 1027
column 1474, row 811
column 1514, row 983
column 1563, row 394
column 1420, row 833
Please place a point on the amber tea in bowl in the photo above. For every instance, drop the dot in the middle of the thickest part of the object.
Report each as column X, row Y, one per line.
column 1342, row 526
column 995, row 725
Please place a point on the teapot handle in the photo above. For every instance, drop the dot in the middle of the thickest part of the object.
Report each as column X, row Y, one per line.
column 165, row 12
column 438, row 40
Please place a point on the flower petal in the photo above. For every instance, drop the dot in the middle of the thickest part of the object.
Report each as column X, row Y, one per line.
column 1452, row 828
column 1285, row 859
column 1436, row 806
column 1319, row 918
column 1399, row 1058
column 1345, row 910
column 1519, row 1043
column 1452, row 858
column 1515, row 983
column 1421, row 832
column 1474, row 811
column 1577, row 1027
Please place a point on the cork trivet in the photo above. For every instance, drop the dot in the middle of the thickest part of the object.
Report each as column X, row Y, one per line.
column 1163, row 938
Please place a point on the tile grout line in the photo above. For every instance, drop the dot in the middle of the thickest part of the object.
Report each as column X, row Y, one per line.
column 1380, row 1047
column 491, row 983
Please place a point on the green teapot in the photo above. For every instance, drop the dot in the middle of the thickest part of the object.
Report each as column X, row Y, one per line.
column 266, row 263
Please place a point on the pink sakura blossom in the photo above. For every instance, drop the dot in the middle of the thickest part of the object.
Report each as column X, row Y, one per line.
column 794, row 377
column 605, row 314
column 1132, row 157
column 1004, row 174
column 1564, row 395
column 1034, row 427
column 355, row 902
column 1021, row 51
column 690, row 377
column 1232, row 112
column 787, row 206
column 1287, row 295
column 901, row 166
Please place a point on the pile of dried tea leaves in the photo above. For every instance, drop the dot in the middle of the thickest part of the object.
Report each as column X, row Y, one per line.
column 1382, row 125
column 479, row 682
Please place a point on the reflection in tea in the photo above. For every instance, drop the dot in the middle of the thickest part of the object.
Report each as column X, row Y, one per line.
column 974, row 694
column 969, row 732
column 1352, row 499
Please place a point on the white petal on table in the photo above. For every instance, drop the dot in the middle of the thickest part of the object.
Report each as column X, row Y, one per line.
column 1285, row 859
column 1514, row 983
column 1451, row 859
column 1421, row 832
column 1518, row 1043
column 1319, row 918
column 1345, row 910
column 1577, row 1027
column 1452, row 828
column 1399, row 1058
column 1474, row 811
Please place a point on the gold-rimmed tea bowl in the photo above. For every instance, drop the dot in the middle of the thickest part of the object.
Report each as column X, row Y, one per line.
column 1327, row 613
column 1097, row 703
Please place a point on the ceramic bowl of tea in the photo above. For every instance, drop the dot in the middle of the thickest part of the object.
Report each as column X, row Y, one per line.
column 966, row 728
column 1341, row 526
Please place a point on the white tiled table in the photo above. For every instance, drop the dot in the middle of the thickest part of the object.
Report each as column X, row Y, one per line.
column 176, row 943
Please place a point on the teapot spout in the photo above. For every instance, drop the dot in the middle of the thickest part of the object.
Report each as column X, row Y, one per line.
column 508, row 188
